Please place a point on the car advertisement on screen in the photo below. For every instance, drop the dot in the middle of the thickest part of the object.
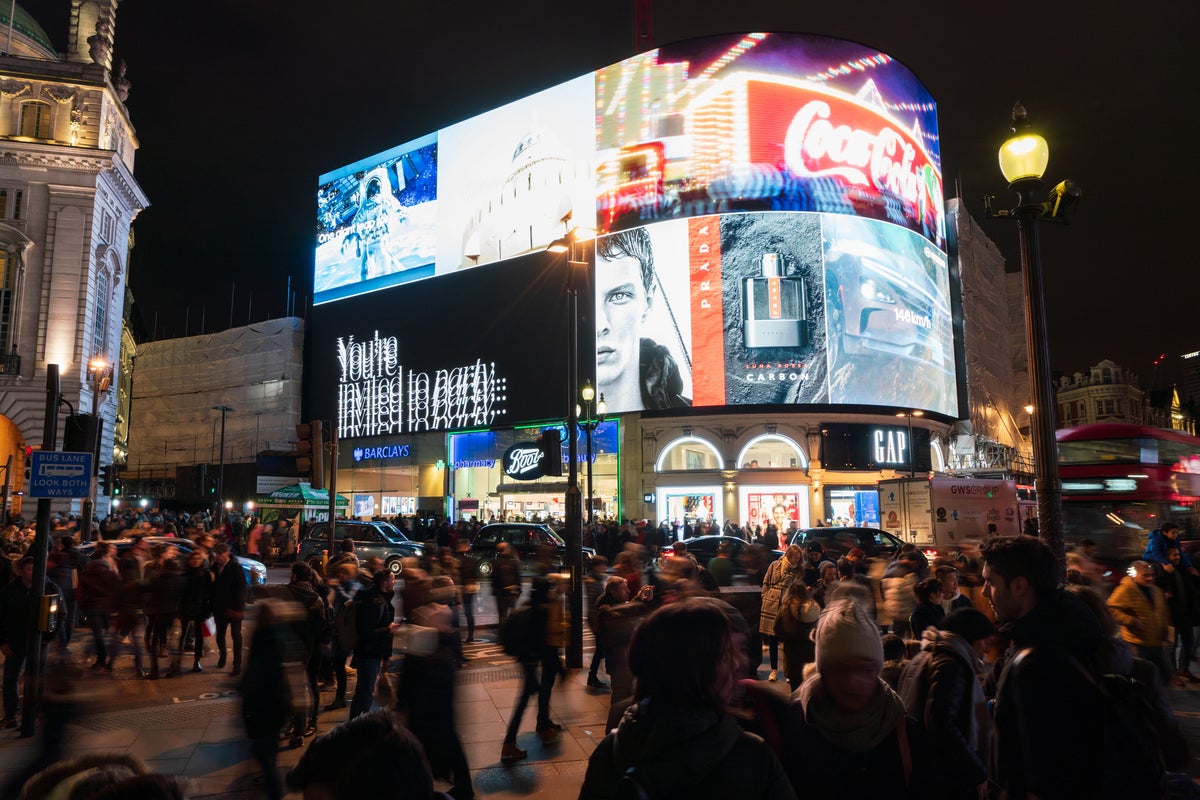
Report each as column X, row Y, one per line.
column 376, row 222
column 775, row 308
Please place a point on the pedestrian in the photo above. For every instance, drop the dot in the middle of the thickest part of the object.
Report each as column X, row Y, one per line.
column 847, row 735
column 506, row 580
column 952, row 596
column 780, row 576
column 375, row 621
column 1039, row 685
column 928, row 612
column 468, row 570
column 1139, row 608
column 794, row 626
column 545, row 633
column 132, row 601
column 230, row 591
column 1160, row 541
column 163, row 610
column 721, row 565
column 195, row 606
column 344, row 587
column 679, row 739
column 827, row 584
column 617, row 616
column 63, row 568
column 596, row 592
column 315, row 632
column 942, row 691
column 273, row 685
column 1183, row 601
column 899, row 600
column 19, row 599
column 427, row 691
column 99, row 588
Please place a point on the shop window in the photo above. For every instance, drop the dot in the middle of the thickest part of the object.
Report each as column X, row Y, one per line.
column 689, row 453
column 772, row 451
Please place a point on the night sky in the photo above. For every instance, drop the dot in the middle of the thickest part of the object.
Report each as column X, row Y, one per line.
column 239, row 106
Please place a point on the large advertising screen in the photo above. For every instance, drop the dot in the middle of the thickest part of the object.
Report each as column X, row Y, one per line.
column 761, row 121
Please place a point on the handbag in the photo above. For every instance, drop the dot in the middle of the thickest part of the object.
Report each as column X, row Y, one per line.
column 209, row 628
column 416, row 640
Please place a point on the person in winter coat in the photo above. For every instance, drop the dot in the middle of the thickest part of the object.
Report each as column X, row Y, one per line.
column 942, row 691
column 617, row 616
column 229, row 594
column 1183, row 601
column 343, row 589
column 506, row 580
column 195, row 606
column 315, row 632
column 273, row 686
column 545, row 634
column 848, row 735
column 780, row 575
column 679, row 739
column 165, row 599
column 794, row 626
column 1162, row 540
column 952, row 596
column 928, row 612
column 1139, row 607
column 375, row 621
column 99, row 588
column 898, row 597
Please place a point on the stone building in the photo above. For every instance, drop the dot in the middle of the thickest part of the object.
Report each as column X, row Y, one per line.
column 67, row 200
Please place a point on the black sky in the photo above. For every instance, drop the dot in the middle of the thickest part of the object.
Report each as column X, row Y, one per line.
column 240, row 104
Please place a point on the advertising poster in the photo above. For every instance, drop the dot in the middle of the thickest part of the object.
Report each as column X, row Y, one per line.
column 364, row 505
column 515, row 179
column 781, row 509
column 376, row 222
column 690, row 507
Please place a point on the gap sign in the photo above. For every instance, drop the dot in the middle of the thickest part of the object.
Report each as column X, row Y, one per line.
column 59, row 475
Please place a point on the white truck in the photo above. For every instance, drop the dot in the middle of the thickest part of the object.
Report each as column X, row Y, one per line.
column 940, row 512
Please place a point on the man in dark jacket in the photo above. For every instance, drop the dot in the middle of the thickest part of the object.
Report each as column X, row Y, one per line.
column 1039, row 685
column 229, row 593
column 314, row 632
column 506, row 580
column 16, row 637
column 375, row 619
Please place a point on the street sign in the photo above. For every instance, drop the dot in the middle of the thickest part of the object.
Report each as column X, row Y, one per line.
column 59, row 475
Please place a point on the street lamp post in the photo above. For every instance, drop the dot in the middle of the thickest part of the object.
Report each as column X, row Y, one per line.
column 589, row 423
column 221, row 469
column 1023, row 160
column 909, row 443
column 98, row 376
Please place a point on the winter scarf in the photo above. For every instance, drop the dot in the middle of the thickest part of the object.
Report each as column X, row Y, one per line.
column 853, row 731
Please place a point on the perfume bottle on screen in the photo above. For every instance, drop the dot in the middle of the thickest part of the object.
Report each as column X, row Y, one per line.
column 773, row 311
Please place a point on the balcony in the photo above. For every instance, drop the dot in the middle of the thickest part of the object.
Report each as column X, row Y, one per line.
column 10, row 364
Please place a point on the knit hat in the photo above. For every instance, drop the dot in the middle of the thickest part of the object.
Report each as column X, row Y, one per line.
column 846, row 631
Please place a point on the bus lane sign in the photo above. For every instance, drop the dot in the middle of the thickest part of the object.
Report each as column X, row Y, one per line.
column 59, row 475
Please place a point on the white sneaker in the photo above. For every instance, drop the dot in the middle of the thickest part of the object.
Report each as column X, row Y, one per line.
column 773, row 676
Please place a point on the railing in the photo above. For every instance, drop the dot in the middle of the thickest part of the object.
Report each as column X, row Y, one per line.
column 10, row 364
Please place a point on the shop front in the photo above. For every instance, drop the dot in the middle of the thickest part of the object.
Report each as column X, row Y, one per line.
column 394, row 476
column 485, row 487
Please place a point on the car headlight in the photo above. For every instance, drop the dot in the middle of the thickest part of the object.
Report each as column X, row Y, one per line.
column 871, row 291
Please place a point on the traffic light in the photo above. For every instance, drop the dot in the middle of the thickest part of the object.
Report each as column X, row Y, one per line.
column 310, row 452
column 106, row 480
column 550, row 447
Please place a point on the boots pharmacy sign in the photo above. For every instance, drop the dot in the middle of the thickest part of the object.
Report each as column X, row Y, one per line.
column 377, row 396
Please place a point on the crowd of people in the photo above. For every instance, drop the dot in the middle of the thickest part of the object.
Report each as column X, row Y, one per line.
column 906, row 676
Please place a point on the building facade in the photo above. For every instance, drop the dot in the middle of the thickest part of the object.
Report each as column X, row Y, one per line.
column 67, row 200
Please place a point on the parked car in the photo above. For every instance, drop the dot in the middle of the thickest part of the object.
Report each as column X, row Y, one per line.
column 836, row 542
column 704, row 548
column 371, row 538
column 525, row 538
column 256, row 573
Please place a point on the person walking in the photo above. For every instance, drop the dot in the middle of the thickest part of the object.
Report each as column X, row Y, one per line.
column 468, row 570
column 780, row 576
column 315, row 632
column 230, row 591
column 163, row 608
column 273, row 685
column 506, row 580
column 344, row 587
column 19, row 598
column 99, row 588
column 1138, row 606
column 132, row 601
column 794, row 625
column 195, row 605
column 1183, row 601
column 375, row 620
column 544, row 634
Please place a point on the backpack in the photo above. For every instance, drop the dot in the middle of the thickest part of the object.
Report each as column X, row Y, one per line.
column 345, row 626
column 1141, row 739
column 516, row 634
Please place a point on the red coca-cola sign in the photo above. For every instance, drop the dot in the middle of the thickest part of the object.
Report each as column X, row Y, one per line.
column 826, row 134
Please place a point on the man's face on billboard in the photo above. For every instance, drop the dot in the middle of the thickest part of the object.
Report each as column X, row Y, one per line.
column 621, row 308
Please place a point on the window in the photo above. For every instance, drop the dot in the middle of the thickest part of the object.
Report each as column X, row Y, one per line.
column 35, row 120
column 10, row 203
column 100, row 323
column 8, row 296
column 106, row 228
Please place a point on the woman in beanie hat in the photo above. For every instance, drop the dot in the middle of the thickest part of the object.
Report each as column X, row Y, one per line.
column 849, row 721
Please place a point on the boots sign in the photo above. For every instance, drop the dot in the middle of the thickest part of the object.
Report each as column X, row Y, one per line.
column 521, row 461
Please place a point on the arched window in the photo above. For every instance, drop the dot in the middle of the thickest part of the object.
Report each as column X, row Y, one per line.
column 35, row 120
column 772, row 451
column 689, row 453
column 100, row 322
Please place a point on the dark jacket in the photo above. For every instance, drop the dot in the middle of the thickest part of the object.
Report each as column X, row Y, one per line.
column 99, row 587
column 14, row 617
column 506, row 572
column 925, row 615
column 316, row 613
column 1180, row 588
column 661, row 381
column 166, row 592
column 1037, row 691
column 272, row 687
column 229, row 589
column 196, row 602
column 674, row 753
column 374, row 614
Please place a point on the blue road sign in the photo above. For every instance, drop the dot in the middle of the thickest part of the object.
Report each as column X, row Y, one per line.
column 59, row 475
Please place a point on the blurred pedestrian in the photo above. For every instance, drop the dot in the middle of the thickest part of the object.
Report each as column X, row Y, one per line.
column 344, row 587
column 506, row 580
column 195, row 606
column 99, row 588
column 1182, row 594
column 19, row 599
column 375, row 620
column 780, row 576
column 679, row 739
column 230, row 591
column 1139, row 608
column 928, row 612
column 273, row 686
column 163, row 609
column 794, row 627
column 545, row 633
column 468, row 570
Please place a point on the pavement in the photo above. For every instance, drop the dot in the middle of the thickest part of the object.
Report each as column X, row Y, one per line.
column 191, row 726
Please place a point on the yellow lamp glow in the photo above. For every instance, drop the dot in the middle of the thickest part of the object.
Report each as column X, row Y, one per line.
column 1024, row 157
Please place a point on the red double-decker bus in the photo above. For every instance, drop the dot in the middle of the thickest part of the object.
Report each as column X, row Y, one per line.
column 1119, row 482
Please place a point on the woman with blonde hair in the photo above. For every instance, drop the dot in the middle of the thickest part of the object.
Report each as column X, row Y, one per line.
column 780, row 576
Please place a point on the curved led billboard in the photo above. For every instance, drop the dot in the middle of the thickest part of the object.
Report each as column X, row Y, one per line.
column 770, row 214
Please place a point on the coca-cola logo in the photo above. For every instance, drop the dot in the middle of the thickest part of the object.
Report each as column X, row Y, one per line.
column 818, row 143
column 521, row 461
